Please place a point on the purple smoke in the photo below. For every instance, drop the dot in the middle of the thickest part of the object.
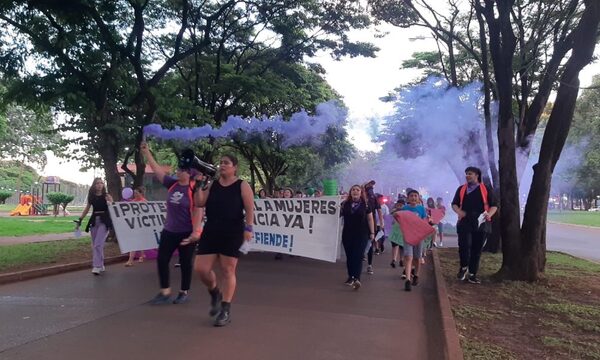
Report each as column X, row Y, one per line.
column 300, row 129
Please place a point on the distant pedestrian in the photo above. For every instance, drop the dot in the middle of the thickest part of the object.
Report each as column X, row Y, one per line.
column 472, row 201
column 396, row 237
column 99, row 223
column 440, row 205
column 385, row 210
column 138, row 195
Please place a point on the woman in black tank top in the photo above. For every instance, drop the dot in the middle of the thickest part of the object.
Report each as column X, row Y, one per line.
column 229, row 203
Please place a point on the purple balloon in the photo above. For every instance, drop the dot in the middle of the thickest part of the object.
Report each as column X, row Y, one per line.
column 126, row 193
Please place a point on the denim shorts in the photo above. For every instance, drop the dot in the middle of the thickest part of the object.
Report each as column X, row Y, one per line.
column 416, row 251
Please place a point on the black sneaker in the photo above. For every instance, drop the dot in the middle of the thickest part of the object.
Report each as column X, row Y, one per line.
column 407, row 285
column 473, row 279
column 415, row 280
column 223, row 318
column 181, row 298
column 349, row 282
column 393, row 264
column 160, row 299
column 356, row 284
column 462, row 274
column 403, row 274
column 370, row 269
column 215, row 302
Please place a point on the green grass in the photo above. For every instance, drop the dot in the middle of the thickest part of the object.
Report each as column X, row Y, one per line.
column 36, row 225
column 584, row 317
column 470, row 311
column 568, row 316
column 14, row 256
column 589, row 218
column 477, row 350
column 575, row 349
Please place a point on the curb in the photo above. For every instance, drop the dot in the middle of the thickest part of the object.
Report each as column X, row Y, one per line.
column 451, row 343
column 54, row 270
column 575, row 225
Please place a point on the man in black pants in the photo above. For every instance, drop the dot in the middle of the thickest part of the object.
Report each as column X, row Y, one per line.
column 472, row 200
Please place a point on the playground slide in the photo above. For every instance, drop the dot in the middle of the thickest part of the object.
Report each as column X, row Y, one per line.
column 22, row 209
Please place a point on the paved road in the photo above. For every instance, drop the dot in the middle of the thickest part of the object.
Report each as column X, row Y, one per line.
column 291, row 309
column 575, row 240
column 578, row 241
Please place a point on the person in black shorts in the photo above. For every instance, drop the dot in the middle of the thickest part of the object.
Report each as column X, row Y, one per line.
column 229, row 205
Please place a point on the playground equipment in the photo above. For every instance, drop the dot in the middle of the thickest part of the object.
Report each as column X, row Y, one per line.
column 24, row 207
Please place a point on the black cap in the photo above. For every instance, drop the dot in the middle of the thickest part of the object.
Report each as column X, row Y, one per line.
column 186, row 159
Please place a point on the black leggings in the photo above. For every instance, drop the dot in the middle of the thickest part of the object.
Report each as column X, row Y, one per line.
column 370, row 252
column 355, row 250
column 169, row 241
column 470, row 245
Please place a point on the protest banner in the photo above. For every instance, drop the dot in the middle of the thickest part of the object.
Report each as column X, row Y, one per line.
column 306, row 227
column 138, row 224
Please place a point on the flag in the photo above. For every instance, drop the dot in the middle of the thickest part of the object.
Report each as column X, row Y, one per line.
column 414, row 229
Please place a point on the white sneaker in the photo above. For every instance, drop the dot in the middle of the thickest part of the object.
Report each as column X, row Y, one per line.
column 441, row 244
column 102, row 269
column 96, row 270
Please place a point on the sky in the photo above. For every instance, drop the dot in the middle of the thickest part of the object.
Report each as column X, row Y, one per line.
column 361, row 82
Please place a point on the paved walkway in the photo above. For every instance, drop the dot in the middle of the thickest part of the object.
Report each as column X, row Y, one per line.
column 291, row 309
column 11, row 240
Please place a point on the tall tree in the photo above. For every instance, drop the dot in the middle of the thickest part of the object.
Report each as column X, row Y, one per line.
column 524, row 247
column 103, row 62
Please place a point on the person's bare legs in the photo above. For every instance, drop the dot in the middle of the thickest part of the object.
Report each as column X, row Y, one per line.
column 131, row 257
column 203, row 264
column 228, row 265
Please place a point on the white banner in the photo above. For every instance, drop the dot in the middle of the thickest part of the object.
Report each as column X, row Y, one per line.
column 138, row 224
column 306, row 227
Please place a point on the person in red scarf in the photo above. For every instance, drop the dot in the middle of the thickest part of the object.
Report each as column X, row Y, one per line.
column 473, row 201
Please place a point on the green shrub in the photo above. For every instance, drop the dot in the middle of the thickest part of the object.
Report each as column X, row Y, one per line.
column 59, row 199
column 4, row 195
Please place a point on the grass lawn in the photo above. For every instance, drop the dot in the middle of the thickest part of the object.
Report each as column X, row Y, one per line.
column 589, row 218
column 11, row 207
column 36, row 225
column 35, row 255
column 556, row 318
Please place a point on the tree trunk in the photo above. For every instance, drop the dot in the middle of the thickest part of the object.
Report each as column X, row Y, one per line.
column 555, row 135
column 502, row 46
column 108, row 154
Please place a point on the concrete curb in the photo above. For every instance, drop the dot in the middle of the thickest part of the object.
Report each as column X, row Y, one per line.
column 451, row 343
column 54, row 270
column 575, row 225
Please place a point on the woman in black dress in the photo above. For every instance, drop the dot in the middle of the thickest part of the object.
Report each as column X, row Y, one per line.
column 229, row 204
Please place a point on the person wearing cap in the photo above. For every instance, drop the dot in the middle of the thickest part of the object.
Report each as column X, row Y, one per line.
column 472, row 200
column 181, row 228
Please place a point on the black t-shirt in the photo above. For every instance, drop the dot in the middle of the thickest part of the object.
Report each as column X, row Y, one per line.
column 356, row 223
column 473, row 206
column 98, row 203
column 100, row 208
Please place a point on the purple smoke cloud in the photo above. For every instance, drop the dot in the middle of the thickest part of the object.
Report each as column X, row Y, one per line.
column 301, row 128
